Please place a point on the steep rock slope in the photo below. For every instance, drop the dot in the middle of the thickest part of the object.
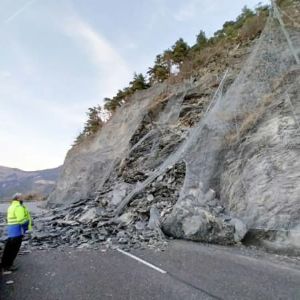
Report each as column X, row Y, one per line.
column 240, row 173
column 203, row 161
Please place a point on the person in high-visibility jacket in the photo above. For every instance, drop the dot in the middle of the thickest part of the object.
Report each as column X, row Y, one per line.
column 18, row 222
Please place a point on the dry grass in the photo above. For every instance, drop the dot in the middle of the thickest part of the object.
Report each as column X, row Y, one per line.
column 210, row 54
column 290, row 14
column 175, row 79
column 33, row 197
column 286, row 3
column 252, row 28
column 218, row 52
column 248, row 121
column 158, row 104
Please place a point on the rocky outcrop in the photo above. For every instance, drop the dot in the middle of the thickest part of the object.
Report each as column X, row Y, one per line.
column 245, row 116
column 199, row 160
column 260, row 182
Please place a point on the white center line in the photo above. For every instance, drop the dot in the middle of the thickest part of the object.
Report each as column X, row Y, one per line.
column 142, row 261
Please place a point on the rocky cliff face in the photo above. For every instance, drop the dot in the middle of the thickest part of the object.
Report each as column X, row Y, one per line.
column 213, row 159
column 246, row 151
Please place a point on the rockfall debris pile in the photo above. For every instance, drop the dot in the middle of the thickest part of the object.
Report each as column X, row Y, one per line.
column 210, row 159
column 85, row 223
column 96, row 220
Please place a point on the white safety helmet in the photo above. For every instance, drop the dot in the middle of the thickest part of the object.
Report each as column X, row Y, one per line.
column 16, row 196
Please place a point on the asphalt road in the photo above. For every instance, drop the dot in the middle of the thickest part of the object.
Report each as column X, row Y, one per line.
column 194, row 271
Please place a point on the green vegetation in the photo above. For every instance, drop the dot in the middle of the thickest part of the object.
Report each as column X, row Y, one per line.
column 138, row 83
column 160, row 71
column 179, row 52
column 187, row 60
column 201, row 41
column 92, row 125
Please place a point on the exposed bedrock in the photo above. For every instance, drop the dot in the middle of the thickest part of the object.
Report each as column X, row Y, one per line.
column 203, row 161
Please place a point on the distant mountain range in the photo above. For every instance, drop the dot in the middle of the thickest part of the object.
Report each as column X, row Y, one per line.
column 26, row 182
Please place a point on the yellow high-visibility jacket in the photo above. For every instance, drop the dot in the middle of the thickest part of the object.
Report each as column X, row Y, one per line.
column 16, row 218
column 16, row 213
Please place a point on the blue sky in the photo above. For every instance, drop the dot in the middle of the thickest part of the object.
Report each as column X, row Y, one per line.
column 59, row 57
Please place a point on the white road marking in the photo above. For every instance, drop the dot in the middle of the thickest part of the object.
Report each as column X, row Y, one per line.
column 142, row 261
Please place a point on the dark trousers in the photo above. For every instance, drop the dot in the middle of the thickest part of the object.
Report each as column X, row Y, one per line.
column 11, row 250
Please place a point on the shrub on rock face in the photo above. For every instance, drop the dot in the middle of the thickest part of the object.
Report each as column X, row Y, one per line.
column 252, row 27
column 160, row 71
column 138, row 83
column 33, row 197
column 92, row 125
column 201, row 40
column 94, row 122
column 111, row 104
column 180, row 51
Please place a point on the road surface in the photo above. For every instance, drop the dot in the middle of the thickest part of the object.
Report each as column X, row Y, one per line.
column 193, row 271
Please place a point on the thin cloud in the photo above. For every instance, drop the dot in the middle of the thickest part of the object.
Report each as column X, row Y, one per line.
column 5, row 74
column 160, row 13
column 131, row 45
column 14, row 94
column 191, row 9
column 112, row 68
column 185, row 13
column 19, row 11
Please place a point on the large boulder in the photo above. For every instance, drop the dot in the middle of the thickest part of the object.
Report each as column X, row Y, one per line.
column 195, row 218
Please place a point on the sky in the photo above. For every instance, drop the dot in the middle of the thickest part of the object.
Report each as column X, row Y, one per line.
column 60, row 57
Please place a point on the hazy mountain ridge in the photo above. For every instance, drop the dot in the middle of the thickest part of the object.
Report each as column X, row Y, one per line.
column 14, row 180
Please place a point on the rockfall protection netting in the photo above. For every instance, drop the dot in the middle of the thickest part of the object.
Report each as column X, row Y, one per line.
column 269, row 61
column 204, row 148
column 268, row 184
column 199, row 212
